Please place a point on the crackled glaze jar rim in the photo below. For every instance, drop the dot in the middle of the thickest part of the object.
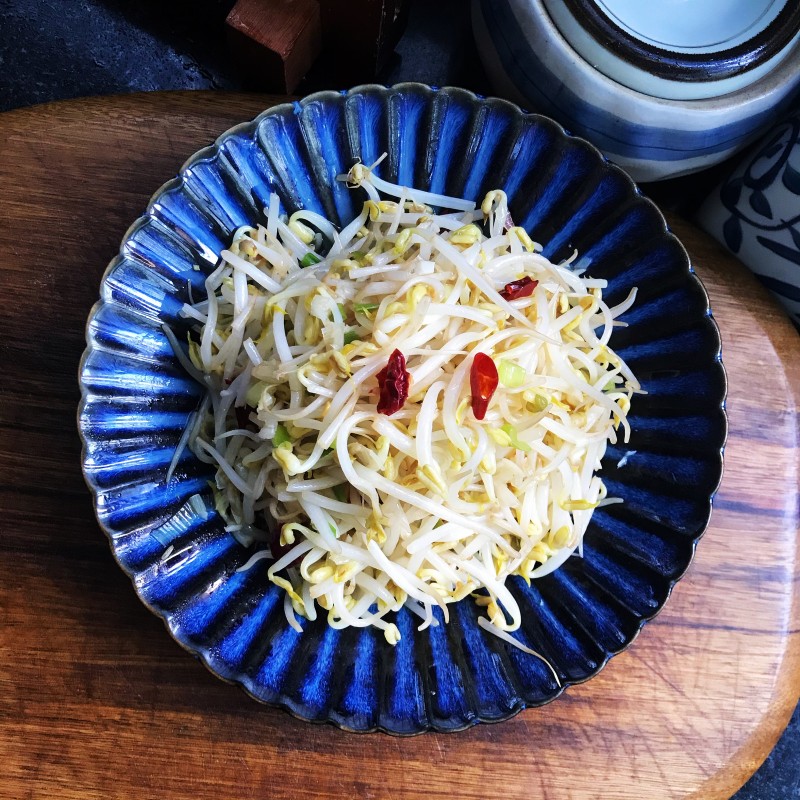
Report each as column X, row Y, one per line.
column 707, row 27
column 711, row 75
column 677, row 65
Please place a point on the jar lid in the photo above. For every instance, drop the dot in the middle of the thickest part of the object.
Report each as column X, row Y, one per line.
column 682, row 49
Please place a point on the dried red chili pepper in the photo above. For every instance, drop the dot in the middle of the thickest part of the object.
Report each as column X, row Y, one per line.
column 483, row 380
column 393, row 383
column 522, row 288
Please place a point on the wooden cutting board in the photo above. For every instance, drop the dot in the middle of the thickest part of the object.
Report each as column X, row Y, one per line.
column 96, row 700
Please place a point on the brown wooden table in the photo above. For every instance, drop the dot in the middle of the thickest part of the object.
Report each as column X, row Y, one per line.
column 96, row 700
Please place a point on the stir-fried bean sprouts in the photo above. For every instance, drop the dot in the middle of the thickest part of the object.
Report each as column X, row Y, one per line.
column 407, row 411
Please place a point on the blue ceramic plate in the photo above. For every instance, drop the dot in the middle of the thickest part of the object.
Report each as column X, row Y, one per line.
column 137, row 399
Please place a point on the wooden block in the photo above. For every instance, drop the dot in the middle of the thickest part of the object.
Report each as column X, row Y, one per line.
column 89, row 679
column 275, row 42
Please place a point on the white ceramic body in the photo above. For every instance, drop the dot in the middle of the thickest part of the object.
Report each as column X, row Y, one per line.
column 529, row 61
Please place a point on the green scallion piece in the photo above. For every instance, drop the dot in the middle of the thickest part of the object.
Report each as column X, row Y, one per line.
column 281, row 435
column 510, row 431
column 510, row 374
column 309, row 259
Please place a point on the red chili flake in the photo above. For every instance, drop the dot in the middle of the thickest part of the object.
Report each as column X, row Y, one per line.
column 393, row 383
column 522, row 288
column 483, row 380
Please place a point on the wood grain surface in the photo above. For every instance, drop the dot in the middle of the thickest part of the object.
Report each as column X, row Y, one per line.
column 97, row 701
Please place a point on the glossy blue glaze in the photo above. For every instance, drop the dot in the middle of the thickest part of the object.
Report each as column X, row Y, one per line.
column 137, row 400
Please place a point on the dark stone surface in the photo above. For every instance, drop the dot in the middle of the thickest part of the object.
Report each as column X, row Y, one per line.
column 58, row 49
column 52, row 49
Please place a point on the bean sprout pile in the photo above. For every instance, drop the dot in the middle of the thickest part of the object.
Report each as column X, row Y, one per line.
column 407, row 411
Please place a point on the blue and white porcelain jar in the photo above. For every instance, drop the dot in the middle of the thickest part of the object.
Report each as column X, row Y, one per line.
column 755, row 213
column 663, row 89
